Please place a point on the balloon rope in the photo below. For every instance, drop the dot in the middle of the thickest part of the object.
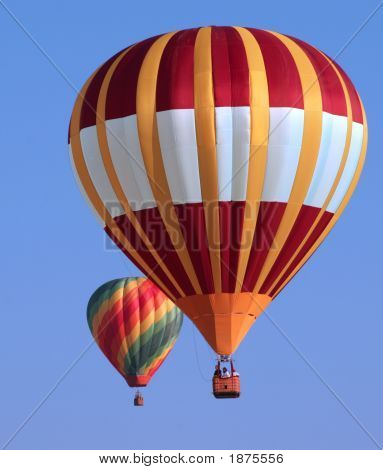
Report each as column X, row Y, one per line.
column 197, row 357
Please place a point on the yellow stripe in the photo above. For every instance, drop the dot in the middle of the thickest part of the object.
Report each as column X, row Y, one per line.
column 130, row 289
column 162, row 310
column 149, row 367
column 149, row 320
column 139, row 287
column 342, row 206
column 151, row 152
column 153, row 318
column 259, row 137
column 125, row 291
column 134, row 333
column 206, row 144
column 91, row 191
column 112, row 174
column 140, row 329
column 121, row 360
column 104, row 307
column 119, row 296
column 312, row 132
column 336, row 180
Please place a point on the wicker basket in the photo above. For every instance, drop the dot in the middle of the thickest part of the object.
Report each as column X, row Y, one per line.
column 226, row 387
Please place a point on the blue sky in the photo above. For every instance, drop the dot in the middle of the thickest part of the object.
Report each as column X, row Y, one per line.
column 53, row 256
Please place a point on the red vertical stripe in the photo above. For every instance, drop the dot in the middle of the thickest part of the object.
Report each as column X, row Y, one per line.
column 121, row 98
column 231, row 222
column 131, row 235
column 89, row 105
column 269, row 217
column 324, row 221
column 191, row 219
column 301, row 227
column 285, row 87
column 175, row 81
column 230, row 68
column 152, row 224
column 333, row 98
column 357, row 114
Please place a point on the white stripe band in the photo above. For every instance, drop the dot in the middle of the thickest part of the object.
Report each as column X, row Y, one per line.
column 177, row 136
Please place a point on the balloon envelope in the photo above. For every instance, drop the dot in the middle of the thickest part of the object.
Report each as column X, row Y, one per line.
column 218, row 159
column 135, row 326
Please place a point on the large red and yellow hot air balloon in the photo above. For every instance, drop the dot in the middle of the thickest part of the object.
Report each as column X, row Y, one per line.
column 218, row 159
column 135, row 326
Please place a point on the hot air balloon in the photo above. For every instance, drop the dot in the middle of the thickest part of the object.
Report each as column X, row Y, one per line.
column 135, row 326
column 218, row 159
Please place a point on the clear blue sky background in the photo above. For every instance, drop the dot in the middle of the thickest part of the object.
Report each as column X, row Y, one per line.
column 53, row 256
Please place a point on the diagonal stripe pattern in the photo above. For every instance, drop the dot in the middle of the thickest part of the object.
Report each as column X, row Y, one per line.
column 135, row 326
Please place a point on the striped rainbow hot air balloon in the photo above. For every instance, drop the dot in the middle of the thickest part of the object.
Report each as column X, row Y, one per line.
column 135, row 326
column 218, row 159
